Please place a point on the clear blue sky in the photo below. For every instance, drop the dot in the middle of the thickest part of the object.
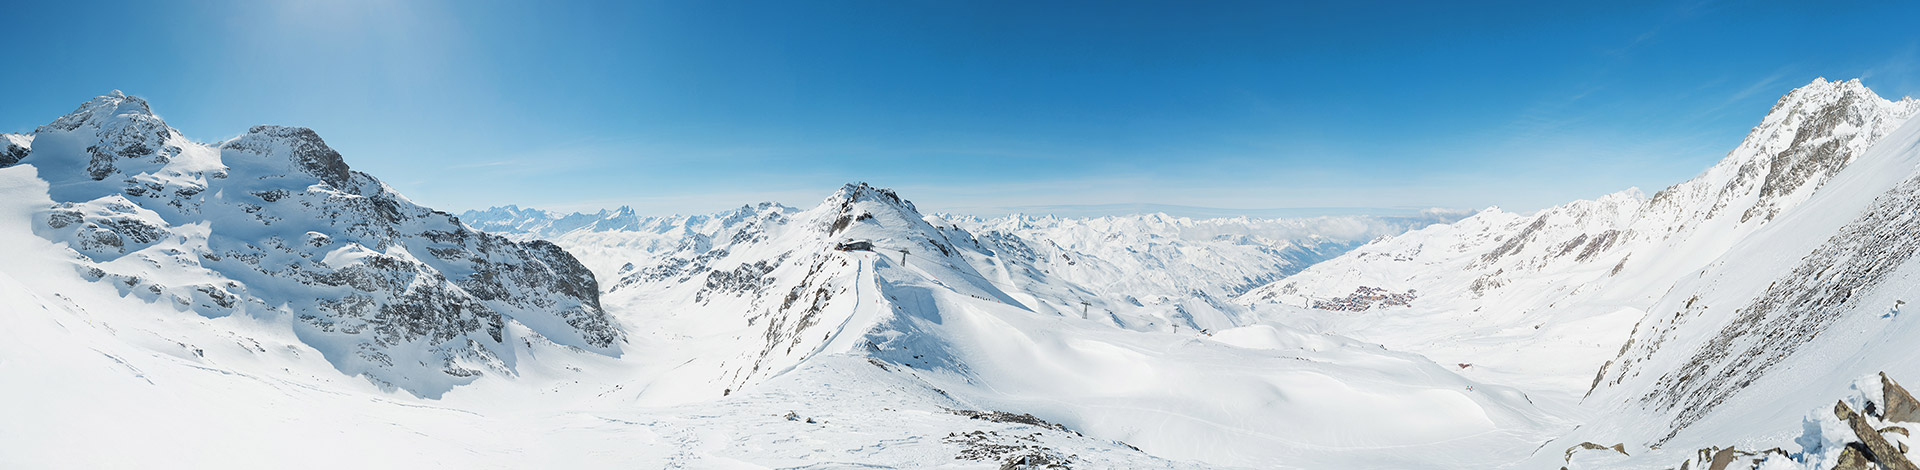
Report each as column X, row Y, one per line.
column 971, row 106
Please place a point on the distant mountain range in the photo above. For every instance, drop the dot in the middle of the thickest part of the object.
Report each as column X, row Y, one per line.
column 172, row 303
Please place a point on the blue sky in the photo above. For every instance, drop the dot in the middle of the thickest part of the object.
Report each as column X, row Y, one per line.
column 982, row 107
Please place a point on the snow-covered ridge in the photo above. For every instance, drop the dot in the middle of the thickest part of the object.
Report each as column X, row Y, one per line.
column 1797, row 309
column 1164, row 255
column 275, row 225
column 1603, row 260
column 985, row 319
column 1154, row 259
column 1809, row 135
column 539, row 223
column 1702, row 315
column 244, row 275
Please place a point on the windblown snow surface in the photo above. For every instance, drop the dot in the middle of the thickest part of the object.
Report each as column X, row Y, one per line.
column 253, row 303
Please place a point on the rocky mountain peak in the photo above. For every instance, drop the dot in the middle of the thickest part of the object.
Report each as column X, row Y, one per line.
column 1809, row 135
column 383, row 288
column 120, row 130
column 301, row 146
column 861, row 191
column 859, row 205
column 102, row 111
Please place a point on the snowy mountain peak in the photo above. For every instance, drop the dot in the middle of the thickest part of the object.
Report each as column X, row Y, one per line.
column 1516, row 271
column 1820, row 108
column 855, row 192
column 103, row 110
column 1807, row 137
column 298, row 145
column 1674, row 275
column 274, row 225
column 120, row 132
column 1821, row 87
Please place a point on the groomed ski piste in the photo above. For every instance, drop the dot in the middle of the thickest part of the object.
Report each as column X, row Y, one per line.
column 230, row 325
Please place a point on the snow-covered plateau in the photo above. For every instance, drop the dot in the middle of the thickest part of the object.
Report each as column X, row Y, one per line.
column 254, row 302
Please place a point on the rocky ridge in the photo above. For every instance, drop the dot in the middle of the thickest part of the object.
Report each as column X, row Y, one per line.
column 275, row 224
column 1806, row 138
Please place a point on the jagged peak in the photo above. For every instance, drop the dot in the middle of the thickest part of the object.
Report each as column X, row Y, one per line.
column 1791, row 149
column 861, row 191
column 303, row 146
column 102, row 110
column 1820, row 94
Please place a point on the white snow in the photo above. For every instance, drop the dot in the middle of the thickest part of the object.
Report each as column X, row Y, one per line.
column 1729, row 310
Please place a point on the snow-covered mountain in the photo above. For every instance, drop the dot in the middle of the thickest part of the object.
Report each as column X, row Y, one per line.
column 1568, row 282
column 228, row 303
column 547, row 224
column 767, row 290
column 1208, row 258
column 274, row 225
column 262, row 297
column 1715, row 312
column 1150, row 270
column 1749, row 349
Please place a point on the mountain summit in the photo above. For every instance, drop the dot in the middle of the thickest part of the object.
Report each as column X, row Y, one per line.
column 274, row 224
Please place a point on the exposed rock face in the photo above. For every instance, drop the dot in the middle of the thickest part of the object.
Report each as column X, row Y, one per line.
column 14, row 147
column 125, row 131
column 1882, row 452
column 1901, row 407
column 301, row 145
column 275, row 223
column 1858, row 432
column 1793, row 310
column 1829, row 127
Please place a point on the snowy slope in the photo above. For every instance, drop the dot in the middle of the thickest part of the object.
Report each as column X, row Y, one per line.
column 172, row 304
column 255, row 299
column 1188, row 263
column 1730, row 310
column 991, row 329
column 105, row 381
column 840, row 359
column 1542, row 300
column 274, row 225
column 1167, row 270
column 179, row 304
column 1795, row 316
